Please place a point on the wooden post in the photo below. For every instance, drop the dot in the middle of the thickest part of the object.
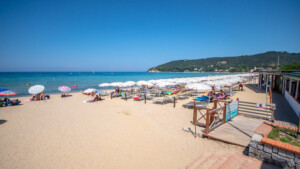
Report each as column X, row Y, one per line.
column 125, row 96
column 145, row 97
column 195, row 116
column 111, row 95
column 207, row 121
column 174, row 102
column 195, row 113
column 270, row 95
column 224, row 112
column 215, row 104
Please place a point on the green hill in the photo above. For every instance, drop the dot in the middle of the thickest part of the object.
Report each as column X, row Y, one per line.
column 266, row 60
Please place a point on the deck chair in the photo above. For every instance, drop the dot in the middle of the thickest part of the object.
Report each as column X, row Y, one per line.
column 160, row 101
column 127, row 96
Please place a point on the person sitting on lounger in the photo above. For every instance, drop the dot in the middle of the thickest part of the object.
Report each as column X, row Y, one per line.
column 222, row 93
column 213, row 91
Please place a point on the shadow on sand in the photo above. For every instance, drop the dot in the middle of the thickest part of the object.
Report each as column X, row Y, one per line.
column 2, row 121
column 254, row 88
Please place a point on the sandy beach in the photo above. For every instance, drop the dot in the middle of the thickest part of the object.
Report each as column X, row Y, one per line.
column 114, row 134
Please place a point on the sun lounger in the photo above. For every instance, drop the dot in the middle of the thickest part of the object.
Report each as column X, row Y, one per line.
column 190, row 105
column 125, row 96
column 138, row 98
column 202, row 98
column 160, row 101
column 149, row 97
column 181, row 97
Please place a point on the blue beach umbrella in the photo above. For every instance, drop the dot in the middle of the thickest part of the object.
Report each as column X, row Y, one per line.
column 99, row 91
column 2, row 89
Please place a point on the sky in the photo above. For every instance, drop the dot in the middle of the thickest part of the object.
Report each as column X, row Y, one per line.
column 135, row 35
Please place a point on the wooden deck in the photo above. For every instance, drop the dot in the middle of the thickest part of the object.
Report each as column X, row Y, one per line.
column 238, row 131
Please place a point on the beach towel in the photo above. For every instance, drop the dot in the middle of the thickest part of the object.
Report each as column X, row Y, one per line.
column 136, row 98
column 88, row 101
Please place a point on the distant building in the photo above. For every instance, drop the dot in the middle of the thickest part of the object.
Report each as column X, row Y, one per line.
column 222, row 62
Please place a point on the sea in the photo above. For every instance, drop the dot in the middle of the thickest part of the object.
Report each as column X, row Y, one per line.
column 20, row 82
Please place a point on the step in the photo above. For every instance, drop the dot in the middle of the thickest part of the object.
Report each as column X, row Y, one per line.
column 228, row 161
column 233, row 162
column 196, row 162
column 220, row 162
column 212, row 159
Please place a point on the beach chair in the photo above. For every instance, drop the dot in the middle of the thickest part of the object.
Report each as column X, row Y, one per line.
column 138, row 98
column 190, row 105
column 181, row 97
column 160, row 101
column 149, row 97
column 127, row 96
column 202, row 98
column 222, row 97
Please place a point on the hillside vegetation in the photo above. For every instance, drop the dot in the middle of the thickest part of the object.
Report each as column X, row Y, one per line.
column 244, row 63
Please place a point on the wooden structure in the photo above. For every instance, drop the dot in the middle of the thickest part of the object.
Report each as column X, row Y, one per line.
column 249, row 109
column 237, row 130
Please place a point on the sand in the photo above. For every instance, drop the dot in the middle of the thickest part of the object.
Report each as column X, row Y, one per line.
column 63, row 133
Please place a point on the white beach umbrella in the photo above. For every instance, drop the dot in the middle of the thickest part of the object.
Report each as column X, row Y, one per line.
column 104, row 85
column 89, row 90
column 116, row 84
column 36, row 89
column 164, row 84
column 129, row 83
column 199, row 87
column 142, row 82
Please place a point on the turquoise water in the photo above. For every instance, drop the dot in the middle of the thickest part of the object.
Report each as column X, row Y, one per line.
column 52, row 80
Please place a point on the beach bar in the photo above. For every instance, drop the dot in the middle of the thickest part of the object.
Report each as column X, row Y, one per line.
column 285, row 82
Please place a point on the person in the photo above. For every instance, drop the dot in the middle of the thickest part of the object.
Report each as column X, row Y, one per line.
column 241, row 86
column 222, row 93
column 5, row 102
column 96, row 98
column 213, row 91
column 42, row 96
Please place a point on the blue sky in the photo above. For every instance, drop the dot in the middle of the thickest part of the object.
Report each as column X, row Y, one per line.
column 136, row 35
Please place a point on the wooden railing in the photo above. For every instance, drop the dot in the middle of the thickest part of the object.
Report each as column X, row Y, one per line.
column 213, row 118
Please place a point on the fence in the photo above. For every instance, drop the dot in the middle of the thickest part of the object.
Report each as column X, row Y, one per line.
column 213, row 117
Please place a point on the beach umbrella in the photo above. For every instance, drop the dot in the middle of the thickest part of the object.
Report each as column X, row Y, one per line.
column 116, row 84
column 104, row 85
column 2, row 89
column 7, row 93
column 100, row 92
column 64, row 89
column 141, row 82
column 129, row 83
column 90, row 90
column 36, row 89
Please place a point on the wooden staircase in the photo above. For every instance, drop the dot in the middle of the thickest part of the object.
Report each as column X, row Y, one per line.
column 228, row 161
